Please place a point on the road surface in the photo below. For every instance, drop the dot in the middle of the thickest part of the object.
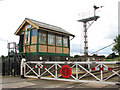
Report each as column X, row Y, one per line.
column 17, row 82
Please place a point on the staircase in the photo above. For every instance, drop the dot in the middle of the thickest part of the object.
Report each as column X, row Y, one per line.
column 14, row 59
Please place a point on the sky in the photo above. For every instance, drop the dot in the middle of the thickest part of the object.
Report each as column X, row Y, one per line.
column 64, row 14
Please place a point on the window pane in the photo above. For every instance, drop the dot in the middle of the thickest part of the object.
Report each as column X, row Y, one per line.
column 51, row 39
column 34, row 32
column 65, row 41
column 58, row 40
column 42, row 37
column 27, row 37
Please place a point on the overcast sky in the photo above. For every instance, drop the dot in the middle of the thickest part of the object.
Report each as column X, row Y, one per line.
column 64, row 14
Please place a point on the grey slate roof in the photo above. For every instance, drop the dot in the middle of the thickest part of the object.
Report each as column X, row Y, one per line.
column 48, row 26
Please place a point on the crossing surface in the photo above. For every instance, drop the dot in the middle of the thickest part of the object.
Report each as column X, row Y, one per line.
column 17, row 82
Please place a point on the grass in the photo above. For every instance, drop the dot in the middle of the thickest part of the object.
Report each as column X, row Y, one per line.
column 115, row 59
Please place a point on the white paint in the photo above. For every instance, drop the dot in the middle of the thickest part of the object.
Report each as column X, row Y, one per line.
column 40, row 58
column 28, row 26
column 22, row 65
column 78, row 65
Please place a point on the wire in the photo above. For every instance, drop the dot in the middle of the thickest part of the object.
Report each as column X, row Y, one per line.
column 103, row 48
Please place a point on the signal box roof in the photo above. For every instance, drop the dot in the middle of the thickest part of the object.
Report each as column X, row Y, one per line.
column 39, row 25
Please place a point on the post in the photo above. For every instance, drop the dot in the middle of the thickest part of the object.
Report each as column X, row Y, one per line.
column 56, row 70
column 15, row 58
column 85, row 38
column 88, row 64
column 39, row 71
column 3, row 66
column 22, row 68
column 76, row 71
column 9, row 68
column 24, row 74
column 101, row 73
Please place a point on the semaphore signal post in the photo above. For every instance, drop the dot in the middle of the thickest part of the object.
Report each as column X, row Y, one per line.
column 87, row 22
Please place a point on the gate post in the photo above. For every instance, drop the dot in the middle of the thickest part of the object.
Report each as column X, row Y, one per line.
column 76, row 71
column 9, row 68
column 14, row 61
column 101, row 72
column 88, row 64
column 3, row 66
column 56, row 70
column 39, row 71
column 22, row 67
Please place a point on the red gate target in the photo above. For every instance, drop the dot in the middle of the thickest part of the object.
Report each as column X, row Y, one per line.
column 65, row 71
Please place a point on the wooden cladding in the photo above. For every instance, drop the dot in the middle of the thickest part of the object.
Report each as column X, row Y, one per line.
column 26, row 49
column 66, row 50
column 51, row 49
column 42, row 48
column 33, row 39
column 33, row 48
column 58, row 49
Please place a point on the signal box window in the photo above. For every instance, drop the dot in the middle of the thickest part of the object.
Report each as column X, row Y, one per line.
column 51, row 39
column 42, row 37
column 34, row 32
column 27, row 37
column 59, row 40
column 65, row 41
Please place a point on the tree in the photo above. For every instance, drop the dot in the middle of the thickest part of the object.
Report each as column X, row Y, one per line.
column 76, row 56
column 116, row 47
column 111, row 56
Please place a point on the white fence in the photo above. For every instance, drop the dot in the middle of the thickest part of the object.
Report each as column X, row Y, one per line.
column 98, row 72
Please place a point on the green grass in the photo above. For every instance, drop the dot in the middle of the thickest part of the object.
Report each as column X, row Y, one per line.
column 115, row 59
column 108, row 59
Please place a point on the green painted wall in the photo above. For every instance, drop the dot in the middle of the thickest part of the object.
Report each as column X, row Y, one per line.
column 41, row 53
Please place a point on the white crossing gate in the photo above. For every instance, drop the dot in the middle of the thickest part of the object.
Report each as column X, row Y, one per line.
column 73, row 71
